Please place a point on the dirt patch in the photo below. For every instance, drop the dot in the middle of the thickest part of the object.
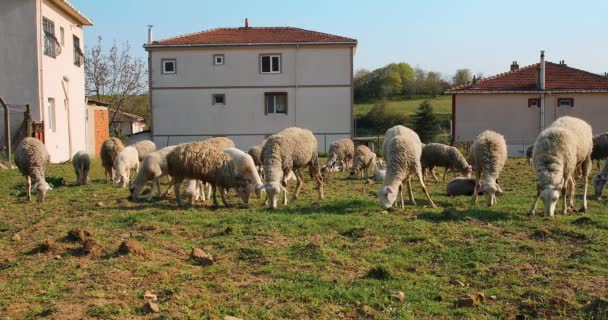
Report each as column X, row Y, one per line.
column 79, row 235
column 131, row 247
column 92, row 249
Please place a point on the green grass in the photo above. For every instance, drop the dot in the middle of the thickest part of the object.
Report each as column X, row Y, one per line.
column 342, row 257
column 442, row 106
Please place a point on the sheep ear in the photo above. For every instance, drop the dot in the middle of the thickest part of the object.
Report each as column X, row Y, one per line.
column 390, row 189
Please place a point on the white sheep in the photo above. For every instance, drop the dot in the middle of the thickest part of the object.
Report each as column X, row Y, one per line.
column 82, row 164
column 153, row 168
column 144, row 148
column 290, row 149
column 109, row 150
column 441, row 155
column 488, row 156
column 126, row 161
column 363, row 161
column 195, row 190
column 341, row 153
column 560, row 151
column 32, row 159
column 402, row 150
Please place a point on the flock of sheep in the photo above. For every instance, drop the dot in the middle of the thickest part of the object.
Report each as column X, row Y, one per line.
column 562, row 153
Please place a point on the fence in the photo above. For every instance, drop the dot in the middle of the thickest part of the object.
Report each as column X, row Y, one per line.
column 16, row 125
column 516, row 147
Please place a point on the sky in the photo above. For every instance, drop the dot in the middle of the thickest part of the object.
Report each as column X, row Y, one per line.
column 438, row 35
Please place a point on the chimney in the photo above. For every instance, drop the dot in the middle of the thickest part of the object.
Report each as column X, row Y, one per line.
column 246, row 22
column 541, row 77
column 150, row 33
column 514, row 66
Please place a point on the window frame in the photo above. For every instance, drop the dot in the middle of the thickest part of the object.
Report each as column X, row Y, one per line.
column 51, row 47
column 162, row 65
column 78, row 54
column 283, row 93
column 571, row 100
column 215, row 95
column 271, row 55
column 215, row 56
column 52, row 114
column 62, row 36
column 537, row 100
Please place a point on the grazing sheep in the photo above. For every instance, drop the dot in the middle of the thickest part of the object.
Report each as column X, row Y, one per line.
column 462, row 186
column 363, row 161
column 340, row 154
column 488, row 155
column 562, row 151
column 32, row 158
column 126, row 161
column 231, row 168
column 290, row 149
column 600, row 147
column 195, row 190
column 529, row 152
column 144, row 148
column 152, row 168
column 402, row 151
column 600, row 180
column 256, row 154
column 82, row 163
column 109, row 150
column 380, row 170
column 441, row 155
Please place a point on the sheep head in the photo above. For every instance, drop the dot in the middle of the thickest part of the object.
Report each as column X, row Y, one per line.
column 490, row 190
column 388, row 196
column 599, row 183
column 41, row 188
column 549, row 195
column 273, row 190
column 467, row 171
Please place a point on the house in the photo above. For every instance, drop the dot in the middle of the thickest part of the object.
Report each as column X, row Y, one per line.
column 96, row 125
column 41, row 64
column 250, row 82
column 126, row 123
column 522, row 102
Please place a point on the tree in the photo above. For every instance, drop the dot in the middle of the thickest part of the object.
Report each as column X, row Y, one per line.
column 115, row 76
column 425, row 122
column 462, row 76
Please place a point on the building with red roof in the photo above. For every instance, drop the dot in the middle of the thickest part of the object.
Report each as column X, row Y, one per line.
column 522, row 102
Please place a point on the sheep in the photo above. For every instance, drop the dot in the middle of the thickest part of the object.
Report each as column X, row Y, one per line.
column 32, row 158
column 599, row 181
column 82, row 163
column 144, row 148
column 195, row 190
column 402, row 151
column 109, row 149
column 291, row 149
column 230, row 168
column 529, row 152
column 380, row 170
column 363, row 161
column 153, row 167
column 340, row 154
column 256, row 154
column 488, row 156
column 441, row 155
column 462, row 186
column 561, row 152
column 600, row 148
column 126, row 161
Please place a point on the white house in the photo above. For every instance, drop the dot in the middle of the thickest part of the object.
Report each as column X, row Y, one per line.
column 248, row 83
column 41, row 64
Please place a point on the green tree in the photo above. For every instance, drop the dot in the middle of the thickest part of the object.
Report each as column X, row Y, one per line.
column 425, row 122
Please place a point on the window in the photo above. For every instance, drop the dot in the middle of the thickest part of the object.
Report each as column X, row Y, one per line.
column 219, row 99
column 62, row 36
column 270, row 63
column 78, row 55
column 565, row 102
column 218, row 59
column 51, row 115
column 51, row 45
column 534, row 102
column 169, row 66
column 276, row 102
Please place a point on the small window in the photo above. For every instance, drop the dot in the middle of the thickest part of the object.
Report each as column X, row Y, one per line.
column 78, row 55
column 565, row 102
column 51, row 45
column 534, row 102
column 51, row 114
column 270, row 63
column 276, row 102
column 218, row 59
column 62, row 36
column 219, row 99
column 169, row 66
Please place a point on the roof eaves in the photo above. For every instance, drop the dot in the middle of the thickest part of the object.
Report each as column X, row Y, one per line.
column 71, row 9
column 246, row 44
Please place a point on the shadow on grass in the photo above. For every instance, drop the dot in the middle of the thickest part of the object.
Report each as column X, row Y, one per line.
column 346, row 206
column 477, row 213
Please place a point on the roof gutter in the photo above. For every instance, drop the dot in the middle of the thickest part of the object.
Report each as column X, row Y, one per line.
column 526, row 91
column 248, row 44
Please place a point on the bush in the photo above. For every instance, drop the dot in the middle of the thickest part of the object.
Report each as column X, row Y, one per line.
column 425, row 122
column 378, row 120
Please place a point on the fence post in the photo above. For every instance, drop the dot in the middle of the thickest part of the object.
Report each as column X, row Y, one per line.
column 28, row 121
column 7, row 131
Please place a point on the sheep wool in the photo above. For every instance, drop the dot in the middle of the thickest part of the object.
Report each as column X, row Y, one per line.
column 144, row 148
column 109, row 150
column 126, row 161
column 364, row 160
column 488, row 155
column 441, row 155
column 341, row 153
column 82, row 164
column 153, row 167
column 32, row 159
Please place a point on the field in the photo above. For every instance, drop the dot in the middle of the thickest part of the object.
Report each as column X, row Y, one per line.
column 340, row 258
column 442, row 106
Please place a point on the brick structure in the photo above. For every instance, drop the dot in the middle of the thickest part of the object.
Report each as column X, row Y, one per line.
column 97, row 126
column 101, row 129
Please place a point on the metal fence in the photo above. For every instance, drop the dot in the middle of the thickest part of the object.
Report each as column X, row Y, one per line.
column 16, row 124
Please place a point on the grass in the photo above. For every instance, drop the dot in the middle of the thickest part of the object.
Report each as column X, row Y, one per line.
column 442, row 105
column 342, row 257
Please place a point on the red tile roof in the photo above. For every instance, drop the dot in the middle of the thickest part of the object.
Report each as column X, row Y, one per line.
column 557, row 77
column 249, row 35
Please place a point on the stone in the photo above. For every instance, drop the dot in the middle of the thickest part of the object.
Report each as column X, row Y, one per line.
column 47, row 245
column 16, row 237
column 149, row 296
column 231, row 318
column 101, row 204
column 201, row 257
column 80, row 234
column 466, row 301
column 57, row 257
column 457, row 282
column 399, row 296
column 152, row 307
column 493, row 298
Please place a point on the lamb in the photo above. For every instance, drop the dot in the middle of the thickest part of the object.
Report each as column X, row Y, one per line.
column 441, row 155
column 529, row 152
column 380, row 170
column 195, row 190
column 600, row 147
column 561, row 152
column 488, row 155
column 109, row 150
column 402, row 151
column 231, row 168
column 82, row 163
column 32, row 158
column 144, row 148
column 152, row 168
column 340, row 154
column 363, row 161
column 600, row 180
column 291, row 149
column 126, row 161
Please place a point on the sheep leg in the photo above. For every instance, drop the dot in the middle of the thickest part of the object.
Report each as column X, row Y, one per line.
column 433, row 173
column 445, row 172
column 410, row 191
column 299, row 183
column 401, row 195
column 176, row 184
column 214, row 188
column 320, row 186
column 475, row 189
column 223, row 195
column 426, row 193
column 586, row 169
column 29, row 188
column 284, row 183
column 533, row 208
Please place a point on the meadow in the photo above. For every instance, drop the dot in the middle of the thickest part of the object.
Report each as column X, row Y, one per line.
column 339, row 258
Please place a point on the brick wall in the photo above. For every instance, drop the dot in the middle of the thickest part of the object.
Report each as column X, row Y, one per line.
column 101, row 129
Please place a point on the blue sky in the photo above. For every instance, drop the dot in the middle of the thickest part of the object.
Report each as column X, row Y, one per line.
column 439, row 35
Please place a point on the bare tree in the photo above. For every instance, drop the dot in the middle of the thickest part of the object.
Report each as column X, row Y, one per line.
column 115, row 76
column 462, row 76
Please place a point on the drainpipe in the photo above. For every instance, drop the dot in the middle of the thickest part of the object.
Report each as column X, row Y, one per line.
column 65, row 82
column 295, row 100
column 542, row 89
